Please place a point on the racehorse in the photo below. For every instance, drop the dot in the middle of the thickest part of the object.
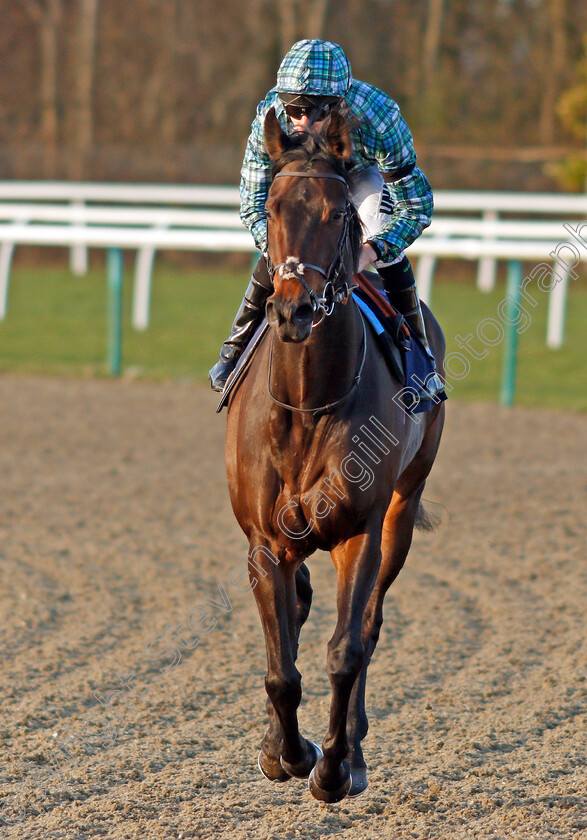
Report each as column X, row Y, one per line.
column 321, row 454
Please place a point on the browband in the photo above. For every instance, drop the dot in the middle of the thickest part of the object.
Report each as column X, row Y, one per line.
column 313, row 175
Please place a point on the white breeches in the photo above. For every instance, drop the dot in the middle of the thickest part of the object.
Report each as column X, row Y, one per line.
column 374, row 203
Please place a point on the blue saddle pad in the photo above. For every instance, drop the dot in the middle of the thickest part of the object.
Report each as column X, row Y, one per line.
column 407, row 357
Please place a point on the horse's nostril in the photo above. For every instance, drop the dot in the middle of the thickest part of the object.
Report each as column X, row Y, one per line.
column 304, row 313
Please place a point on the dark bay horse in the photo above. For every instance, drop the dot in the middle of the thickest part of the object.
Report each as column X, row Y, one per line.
column 320, row 454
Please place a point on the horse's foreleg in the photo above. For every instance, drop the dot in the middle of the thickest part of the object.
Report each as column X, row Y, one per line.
column 398, row 529
column 304, row 601
column 357, row 563
column 276, row 597
column 271, row 747
column 396, row 540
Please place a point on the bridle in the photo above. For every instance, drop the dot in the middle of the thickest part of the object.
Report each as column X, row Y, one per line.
column 331, row 295
column 294, row 267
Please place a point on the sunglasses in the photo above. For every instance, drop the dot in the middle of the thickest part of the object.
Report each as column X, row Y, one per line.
column 318, row 112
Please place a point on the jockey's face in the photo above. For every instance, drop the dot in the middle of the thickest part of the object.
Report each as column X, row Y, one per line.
column 303, row 123
column 301, row 115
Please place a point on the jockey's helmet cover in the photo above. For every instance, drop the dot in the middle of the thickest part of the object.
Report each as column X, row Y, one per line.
column 315, row 67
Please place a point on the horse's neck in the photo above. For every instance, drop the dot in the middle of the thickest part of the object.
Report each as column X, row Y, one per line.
column 321, row 370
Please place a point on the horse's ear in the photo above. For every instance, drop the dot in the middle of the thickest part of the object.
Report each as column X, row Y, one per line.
column 276, row 140
column 337, row 136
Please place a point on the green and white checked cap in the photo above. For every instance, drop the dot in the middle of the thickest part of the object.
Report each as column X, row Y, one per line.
column 315, row 67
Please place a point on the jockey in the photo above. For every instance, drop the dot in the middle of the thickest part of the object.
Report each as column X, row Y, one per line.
column 391, row 194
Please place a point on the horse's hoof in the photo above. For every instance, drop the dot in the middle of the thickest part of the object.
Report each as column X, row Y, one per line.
column 302, row 770
column 359, row 784
column 272, row 770
column 330, row 796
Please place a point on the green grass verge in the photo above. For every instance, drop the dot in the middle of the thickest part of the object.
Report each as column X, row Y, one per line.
column 553, row 378
column 56, row 324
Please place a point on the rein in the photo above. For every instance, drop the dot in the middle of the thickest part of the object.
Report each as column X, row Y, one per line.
column 321, row 409
column 330, row 295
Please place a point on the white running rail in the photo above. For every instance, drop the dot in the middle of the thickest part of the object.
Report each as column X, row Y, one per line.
column 151, row 217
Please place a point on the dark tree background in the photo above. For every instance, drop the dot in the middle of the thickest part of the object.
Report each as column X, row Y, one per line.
column 165, row 90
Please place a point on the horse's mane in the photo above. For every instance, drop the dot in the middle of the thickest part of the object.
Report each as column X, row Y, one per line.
column 306, row 148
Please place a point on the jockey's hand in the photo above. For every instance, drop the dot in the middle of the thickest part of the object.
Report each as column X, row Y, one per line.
column 366, row 256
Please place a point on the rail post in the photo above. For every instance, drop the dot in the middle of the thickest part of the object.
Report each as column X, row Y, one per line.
column 487, row 269
column 115, row 270
column 557, row 306
column 78, row 254
column 510, row 350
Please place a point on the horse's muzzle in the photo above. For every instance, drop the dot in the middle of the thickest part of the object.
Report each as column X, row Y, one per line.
column 291, row 321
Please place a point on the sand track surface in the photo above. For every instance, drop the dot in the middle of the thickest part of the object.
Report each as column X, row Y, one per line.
column 115, row 527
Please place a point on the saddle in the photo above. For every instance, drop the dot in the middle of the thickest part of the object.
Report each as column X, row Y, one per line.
column 388, row 325
column 405, row 356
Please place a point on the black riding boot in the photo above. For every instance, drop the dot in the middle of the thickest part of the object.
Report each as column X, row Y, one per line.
column 247, row 320
column 400, row 284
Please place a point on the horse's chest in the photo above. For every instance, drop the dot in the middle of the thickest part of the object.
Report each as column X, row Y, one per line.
column 300, row 455
column 296, row 473
column 318, row 496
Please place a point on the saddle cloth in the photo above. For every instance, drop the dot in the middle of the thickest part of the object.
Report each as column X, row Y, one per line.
column 405, row 354
column 406, row 357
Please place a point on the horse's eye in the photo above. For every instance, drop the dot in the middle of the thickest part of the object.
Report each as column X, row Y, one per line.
column 338, row 216
column 267, row 214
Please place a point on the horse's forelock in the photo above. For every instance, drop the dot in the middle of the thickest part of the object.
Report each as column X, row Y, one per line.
column 307, row 147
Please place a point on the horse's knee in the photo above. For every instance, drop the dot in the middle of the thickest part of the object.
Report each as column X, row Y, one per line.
column 304, row 593
column 284, row 689
column 344, row 660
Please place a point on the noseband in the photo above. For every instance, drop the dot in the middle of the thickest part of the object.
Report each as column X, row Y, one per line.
column 294, row 267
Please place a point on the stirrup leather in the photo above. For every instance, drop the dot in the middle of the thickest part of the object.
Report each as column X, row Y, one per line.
column 243, row 328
